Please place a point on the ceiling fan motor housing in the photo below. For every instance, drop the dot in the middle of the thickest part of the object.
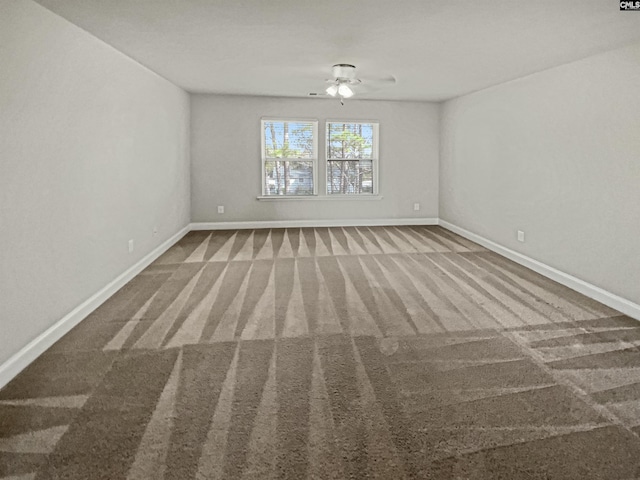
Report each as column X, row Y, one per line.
column 344, row 70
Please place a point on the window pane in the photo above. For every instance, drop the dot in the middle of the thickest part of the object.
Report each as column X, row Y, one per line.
column 350, row 176
column 283, row 177
column 288, row 139
column 350, row 140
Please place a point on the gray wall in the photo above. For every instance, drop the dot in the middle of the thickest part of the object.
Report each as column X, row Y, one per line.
column 225, row 158
column 94, row 151
column 556, row 154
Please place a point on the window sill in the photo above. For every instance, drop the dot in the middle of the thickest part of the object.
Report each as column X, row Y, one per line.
column 283, row 198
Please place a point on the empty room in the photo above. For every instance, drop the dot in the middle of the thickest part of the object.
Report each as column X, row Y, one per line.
column 354, row 239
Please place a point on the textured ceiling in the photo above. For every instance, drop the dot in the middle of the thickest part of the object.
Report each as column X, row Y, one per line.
column 436, row 49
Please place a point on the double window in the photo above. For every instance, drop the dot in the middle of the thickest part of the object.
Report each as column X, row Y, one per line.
column 290, row 161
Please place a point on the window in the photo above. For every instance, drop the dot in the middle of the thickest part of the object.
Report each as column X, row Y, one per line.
column 289, row 157
column 352, row 158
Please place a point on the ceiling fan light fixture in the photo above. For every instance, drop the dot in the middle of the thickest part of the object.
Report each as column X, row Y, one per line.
column 332, row 90
column 345, row 91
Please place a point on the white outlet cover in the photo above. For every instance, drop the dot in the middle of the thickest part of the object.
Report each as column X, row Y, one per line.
column 520, row 236
column 416, row 206
column 220, row 208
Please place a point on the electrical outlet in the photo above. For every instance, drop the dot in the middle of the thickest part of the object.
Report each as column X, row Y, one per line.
column 520, row 236
column 131, row 245
column 416, row 207
column 220, row 208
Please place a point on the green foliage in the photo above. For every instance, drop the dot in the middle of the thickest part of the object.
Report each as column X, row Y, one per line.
column 289, row 140
column 346, row 144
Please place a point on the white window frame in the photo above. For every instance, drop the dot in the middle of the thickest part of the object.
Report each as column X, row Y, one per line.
column 375, row 160
column 265, row 159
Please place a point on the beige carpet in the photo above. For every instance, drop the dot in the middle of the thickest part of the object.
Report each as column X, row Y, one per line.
column 386, row 353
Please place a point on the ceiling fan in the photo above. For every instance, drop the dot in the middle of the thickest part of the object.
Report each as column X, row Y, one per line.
column 345, row 84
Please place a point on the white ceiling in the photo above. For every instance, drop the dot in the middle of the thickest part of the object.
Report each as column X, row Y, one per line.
column 436, row 49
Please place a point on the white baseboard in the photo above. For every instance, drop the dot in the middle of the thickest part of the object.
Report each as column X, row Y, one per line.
column 603, row 296
column 35, row 348
column 312, row 223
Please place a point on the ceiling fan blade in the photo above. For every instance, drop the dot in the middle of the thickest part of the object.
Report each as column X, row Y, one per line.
column 380, row 81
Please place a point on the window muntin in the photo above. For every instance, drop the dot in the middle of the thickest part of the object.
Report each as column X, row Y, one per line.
column 352, row 157
column 289, row 157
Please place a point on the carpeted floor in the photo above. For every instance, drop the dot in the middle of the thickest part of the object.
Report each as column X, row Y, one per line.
column 382, row 353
